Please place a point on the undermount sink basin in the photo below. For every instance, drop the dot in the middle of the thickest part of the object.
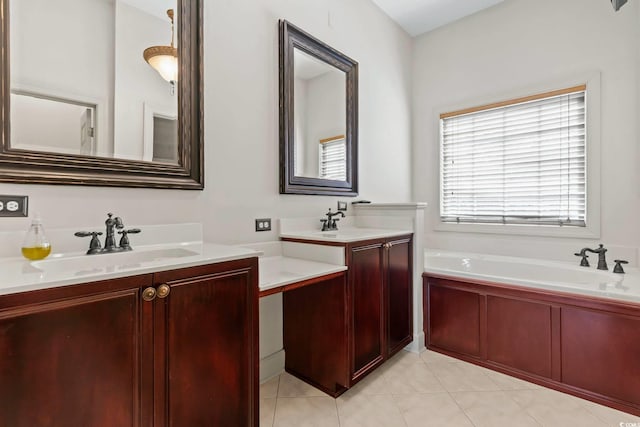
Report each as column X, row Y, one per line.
column 120, row 260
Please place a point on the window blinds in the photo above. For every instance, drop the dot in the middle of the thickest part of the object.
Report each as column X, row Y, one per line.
column 517, row 162
column 333, row 159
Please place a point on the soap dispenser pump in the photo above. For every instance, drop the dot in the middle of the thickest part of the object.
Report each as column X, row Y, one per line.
column 36, row 246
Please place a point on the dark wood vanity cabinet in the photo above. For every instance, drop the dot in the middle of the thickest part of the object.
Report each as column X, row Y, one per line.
column 176, row 348
column 582, row 345
column 380, row 301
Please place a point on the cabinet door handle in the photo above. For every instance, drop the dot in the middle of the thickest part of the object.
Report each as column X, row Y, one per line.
column 387, row 245
column 163, row 291
column 149, row 294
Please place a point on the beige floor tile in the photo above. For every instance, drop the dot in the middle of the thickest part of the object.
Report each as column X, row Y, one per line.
column 374, row 383
column 403, row 358
column 609, row 415
column 434, row 357
column 411, row 378
column 306, row 411
column 493, row 409
column 461, row 376
column 267, row 410
column 506, row 382
column 357, row 410
column 431, row 410
column 290, row 386
column 270, row 388
column 551, row 408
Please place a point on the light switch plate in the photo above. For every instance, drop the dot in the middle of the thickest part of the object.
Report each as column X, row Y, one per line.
column 14, row 206
column 342, row 206
column 263, row 224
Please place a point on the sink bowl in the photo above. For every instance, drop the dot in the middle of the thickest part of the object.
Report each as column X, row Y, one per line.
column 86, row 264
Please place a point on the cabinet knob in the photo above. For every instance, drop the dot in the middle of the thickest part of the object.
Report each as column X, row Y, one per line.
column 149, row 294
column 163, row 290
column 387, row 246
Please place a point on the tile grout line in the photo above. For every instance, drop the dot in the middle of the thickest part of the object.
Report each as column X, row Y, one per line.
column 448, row 392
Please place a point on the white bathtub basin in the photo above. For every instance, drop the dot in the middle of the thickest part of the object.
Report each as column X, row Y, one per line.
column 535, row 273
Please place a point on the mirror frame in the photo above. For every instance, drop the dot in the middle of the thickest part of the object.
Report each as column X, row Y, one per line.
column 35, row 167
column 292, row 38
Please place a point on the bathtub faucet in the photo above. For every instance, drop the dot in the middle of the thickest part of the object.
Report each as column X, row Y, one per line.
column 602, row 261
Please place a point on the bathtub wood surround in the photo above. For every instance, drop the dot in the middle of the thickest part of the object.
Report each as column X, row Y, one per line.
column 114, row 353
column 583, row 345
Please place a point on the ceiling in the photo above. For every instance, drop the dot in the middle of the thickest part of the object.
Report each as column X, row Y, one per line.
column 153, row 7
column 420, row 16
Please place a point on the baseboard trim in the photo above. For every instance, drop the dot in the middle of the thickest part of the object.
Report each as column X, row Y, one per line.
column 271, row 366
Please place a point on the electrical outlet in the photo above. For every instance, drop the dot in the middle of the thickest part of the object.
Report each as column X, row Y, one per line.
column 342, row 206
column 14, row 206
column 263, row 224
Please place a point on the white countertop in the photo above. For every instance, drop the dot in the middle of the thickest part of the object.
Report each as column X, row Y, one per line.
column 345, row 235
column 19, row 275
column 276, row 271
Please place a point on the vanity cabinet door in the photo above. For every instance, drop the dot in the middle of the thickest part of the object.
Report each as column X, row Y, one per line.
column 399, row 254
column 366, row 281
column 315, row 334
column 206, row 346
column 72, row 356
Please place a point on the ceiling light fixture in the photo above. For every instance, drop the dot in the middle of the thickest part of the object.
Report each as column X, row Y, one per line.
column 617, row 4
column 164, row 59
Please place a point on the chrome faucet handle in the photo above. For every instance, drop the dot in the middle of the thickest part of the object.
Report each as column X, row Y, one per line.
column 124, row 240
column 94, row 245
column 583, row 262
column 618, row 267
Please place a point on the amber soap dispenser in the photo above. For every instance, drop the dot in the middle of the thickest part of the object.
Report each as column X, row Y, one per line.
column 36, row 246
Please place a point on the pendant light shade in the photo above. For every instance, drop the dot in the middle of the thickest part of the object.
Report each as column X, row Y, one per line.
column 164, row 59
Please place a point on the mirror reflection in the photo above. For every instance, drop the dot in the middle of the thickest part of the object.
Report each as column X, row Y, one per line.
column 320, row 118
column 81, row 85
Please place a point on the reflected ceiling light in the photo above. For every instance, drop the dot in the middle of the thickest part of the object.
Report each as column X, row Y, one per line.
column 617, row 4
column 164, row 59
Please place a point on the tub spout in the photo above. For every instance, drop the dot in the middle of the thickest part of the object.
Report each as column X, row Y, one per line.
column 601, row 250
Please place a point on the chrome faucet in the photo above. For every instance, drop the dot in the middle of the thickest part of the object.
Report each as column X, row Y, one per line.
column 112, row 224
column 602, row 261
column 329, row 224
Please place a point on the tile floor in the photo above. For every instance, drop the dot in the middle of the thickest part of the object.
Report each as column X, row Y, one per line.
column 431, row 390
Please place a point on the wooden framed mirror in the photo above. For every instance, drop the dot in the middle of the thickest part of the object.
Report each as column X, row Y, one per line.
column 80, row 103
column 318, row 116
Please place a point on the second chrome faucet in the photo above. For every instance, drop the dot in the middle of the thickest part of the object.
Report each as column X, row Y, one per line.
column 602, row 261
column 330, row 224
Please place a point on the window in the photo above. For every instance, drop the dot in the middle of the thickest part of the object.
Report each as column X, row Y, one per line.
column 516, row 162
column 333, row 158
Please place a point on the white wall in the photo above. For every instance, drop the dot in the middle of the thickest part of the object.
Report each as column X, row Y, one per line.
column 515, row 45
column 241, row 125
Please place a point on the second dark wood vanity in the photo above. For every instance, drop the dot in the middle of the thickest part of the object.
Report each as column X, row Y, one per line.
column 339, row 330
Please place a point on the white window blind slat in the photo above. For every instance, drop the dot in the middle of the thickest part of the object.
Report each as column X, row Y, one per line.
column 523, row 163
column 333, row 160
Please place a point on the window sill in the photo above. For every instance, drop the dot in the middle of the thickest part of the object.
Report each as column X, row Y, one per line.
column 588, row 232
